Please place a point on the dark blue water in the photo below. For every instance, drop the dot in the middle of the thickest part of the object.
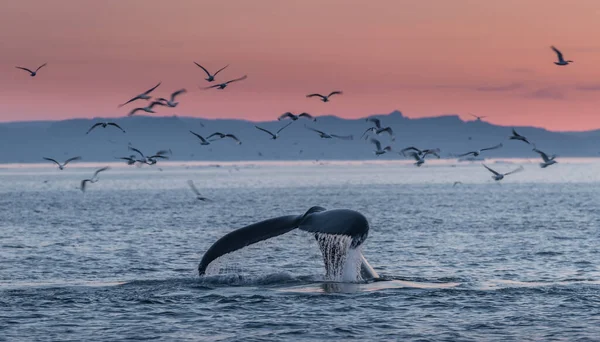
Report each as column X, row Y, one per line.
column 476, row 262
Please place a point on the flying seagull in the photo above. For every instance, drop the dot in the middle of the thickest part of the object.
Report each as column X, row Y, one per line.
column 378, row 131
column 420, row 159
column 517, row 136
column 380, row 151
column 499, row 176
column 94, row 179
column 561, row 60
column 478, row 152
column 477, row 117
column 547, row 160
column 171, row 103
column 296, row 117
column 276, row 135
column 210, row 77
column 202, row 140
column 32, row 73
column 143, row 96
column 434, row 151
column 222, row 136
column 104, row 125
column 147, row 109
column 195, row 191
column 325, row 98
column 130, row 160
column 456, row 183
column 62, row 166
column 324, row 135
column 376, row 121
column 224, row 85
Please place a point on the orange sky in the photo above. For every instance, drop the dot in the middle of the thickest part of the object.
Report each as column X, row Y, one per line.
column 425, row 58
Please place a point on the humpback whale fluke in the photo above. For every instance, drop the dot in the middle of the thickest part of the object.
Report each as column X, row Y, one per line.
column 317, row 220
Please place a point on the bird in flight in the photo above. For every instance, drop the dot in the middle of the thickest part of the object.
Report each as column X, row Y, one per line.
column 62, row 166
column 296, row 117
column 378, row 131
column 420, row 159
column 171, row 103
column 547, row 160
column 147, row 109
column 499, row 176
column 561, row 60
column 478, row 152
column 143, row 96
column 94, row 179
column 276, row 135
column 222, row 136
column 202, row 140
column 434, row 151
column 224, row 85
column 376, row 121
column 379, row 150
column 210, row 77
column 32, row 73
column 477, row 117
column 456, row 183
column 325, row 98
column 130, row 160
column 517, row 136
column 104, row 125
column 199, row 197
column 324, row 135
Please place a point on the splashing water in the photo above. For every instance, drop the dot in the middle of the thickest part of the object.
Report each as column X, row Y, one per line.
column 342, row 263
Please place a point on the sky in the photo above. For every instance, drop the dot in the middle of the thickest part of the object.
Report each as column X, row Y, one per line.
column 425, row 58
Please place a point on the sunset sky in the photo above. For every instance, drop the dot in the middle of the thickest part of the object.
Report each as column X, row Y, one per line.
column 424, row 58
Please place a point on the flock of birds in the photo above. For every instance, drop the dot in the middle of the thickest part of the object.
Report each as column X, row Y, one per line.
column 370, row 133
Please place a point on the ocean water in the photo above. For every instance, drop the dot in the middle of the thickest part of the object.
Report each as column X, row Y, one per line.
column 515, row 260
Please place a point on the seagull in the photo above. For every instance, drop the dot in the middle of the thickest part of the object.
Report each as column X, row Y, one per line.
column 499, row 176
column 561, row 60
column 210, row 77
column 379, row 151
column 434, row 151
column 62, row 166
column 419, row 158
column 202, row 140
column 324, row 135
column 478, row 152
column 171, row 103
column 143, row 96
column 195, row 190
column 296, row 117
column 32, row 73
column 477, row 118
column 276, row 135
column 147, row 109
column 221, row 136
column 325, row 98
column 94, row 179
column 376, row 121
column 224, row 85
column 104, row 125
column 378, row 131
column 547, row 160
column 138, row 151
column 517, row 136
column 456, row 183
column 130, row 160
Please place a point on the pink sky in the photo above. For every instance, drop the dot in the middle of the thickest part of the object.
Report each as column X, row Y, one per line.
column 424, row 58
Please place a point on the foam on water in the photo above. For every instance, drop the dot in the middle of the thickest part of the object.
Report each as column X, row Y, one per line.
column 341, row 262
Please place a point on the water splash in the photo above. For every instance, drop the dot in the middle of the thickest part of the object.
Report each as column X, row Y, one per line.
column 342, row 263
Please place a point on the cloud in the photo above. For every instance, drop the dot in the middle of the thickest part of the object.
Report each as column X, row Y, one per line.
column 507, row 87
column 548, row 93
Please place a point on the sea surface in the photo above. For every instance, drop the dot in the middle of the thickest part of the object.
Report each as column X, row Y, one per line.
column 516, row 260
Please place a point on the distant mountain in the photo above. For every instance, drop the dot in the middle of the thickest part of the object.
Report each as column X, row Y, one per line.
column 26, row 142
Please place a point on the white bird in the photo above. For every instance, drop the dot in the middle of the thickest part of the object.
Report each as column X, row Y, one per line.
column 561, row 60
column 296, row 117
column 32, row 73
column 222, row 136
column 195, row 191
column 547, row 160
column 324, row 135
column 517, row 136
column 104, row 125
column 171, row 103
column 62, row 166
column 323, row 97
column 499, row 176
column 94, row 179
column 210, row 77
column 202, row 140
column 147, row 109
column 224, row 85
column 380, row 151
column 478, row 152
column 143, row 96
column 276, row 135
